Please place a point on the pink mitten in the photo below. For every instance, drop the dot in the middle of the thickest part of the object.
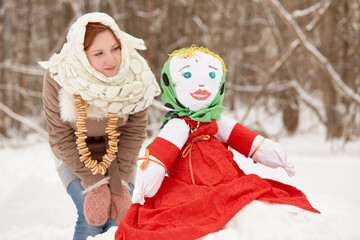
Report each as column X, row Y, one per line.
column 97, row 205
column 120, row 205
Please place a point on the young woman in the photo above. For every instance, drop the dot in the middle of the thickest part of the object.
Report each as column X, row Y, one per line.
column 96, row 94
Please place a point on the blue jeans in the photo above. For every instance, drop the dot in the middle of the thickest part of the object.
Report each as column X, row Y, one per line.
column 82, row 228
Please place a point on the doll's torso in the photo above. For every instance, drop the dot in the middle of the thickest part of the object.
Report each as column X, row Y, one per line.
column 204, row 160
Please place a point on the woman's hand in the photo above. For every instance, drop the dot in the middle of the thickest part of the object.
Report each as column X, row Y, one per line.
column 120, row 205
column 97, row 205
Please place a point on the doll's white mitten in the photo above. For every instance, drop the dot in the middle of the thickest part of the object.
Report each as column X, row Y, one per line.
column 148, row 179
column 270, row 154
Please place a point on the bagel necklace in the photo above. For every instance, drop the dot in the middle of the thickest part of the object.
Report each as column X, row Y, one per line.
column 85, row 155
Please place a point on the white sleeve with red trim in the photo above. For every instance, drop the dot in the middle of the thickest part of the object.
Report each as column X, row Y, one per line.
column 235, row 135
column 162, row 154
column 170, row 141
column 253, row 145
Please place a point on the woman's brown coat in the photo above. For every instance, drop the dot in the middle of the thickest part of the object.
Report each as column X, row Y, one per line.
column 62, row 139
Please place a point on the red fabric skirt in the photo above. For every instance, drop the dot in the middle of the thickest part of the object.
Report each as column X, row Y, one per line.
column 204, row 191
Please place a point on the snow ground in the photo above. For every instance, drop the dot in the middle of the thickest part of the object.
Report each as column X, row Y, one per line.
column 35, row 206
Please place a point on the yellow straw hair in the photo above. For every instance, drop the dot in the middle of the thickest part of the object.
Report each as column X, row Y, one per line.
column 190, row 52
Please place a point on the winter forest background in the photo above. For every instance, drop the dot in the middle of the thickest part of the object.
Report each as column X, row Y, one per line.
column 284, row 58
column 294, row 68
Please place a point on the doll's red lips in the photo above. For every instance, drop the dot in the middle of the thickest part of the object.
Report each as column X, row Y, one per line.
column 200, row 94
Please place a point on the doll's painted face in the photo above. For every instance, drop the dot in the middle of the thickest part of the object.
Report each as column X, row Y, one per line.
column 196, row 79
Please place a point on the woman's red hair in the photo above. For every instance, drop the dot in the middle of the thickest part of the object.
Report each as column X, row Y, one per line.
column 92, row 29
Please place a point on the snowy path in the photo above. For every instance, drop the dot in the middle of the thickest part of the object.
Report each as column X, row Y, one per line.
column 35, row 206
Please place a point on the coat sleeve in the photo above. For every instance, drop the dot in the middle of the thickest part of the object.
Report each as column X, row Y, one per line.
column 235, row 135
column 132, row 136
column 61, row 134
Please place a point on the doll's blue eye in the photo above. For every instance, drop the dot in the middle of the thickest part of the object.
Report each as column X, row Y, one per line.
column 187, row 75
column 212, row 75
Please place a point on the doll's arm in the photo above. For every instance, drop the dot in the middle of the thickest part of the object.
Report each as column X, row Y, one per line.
column 253, row 145
column 159, row 157
column 270, row 154
column 235, row 135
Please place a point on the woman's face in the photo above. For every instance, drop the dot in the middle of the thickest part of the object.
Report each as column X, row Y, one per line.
column 104, row 54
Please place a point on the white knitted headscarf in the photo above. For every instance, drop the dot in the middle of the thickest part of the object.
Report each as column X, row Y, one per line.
column 131, row 90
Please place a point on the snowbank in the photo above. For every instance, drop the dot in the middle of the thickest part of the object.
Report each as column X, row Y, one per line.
column 35, row 206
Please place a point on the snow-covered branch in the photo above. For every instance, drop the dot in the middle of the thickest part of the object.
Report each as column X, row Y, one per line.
column 271, row 88
column 23, row 120
column 22, row 91
column 301, row 93
column 179, row 42
column 276, row 88
column 307, row 11
column 267, row 86
column 334, row 77
column 200, row 23
column 29, row 70
column 316, row 19
column 308, row 100
column 347, row 19
column 283, row 59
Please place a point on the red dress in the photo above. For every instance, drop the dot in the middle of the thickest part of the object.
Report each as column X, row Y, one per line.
column 204, row 191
